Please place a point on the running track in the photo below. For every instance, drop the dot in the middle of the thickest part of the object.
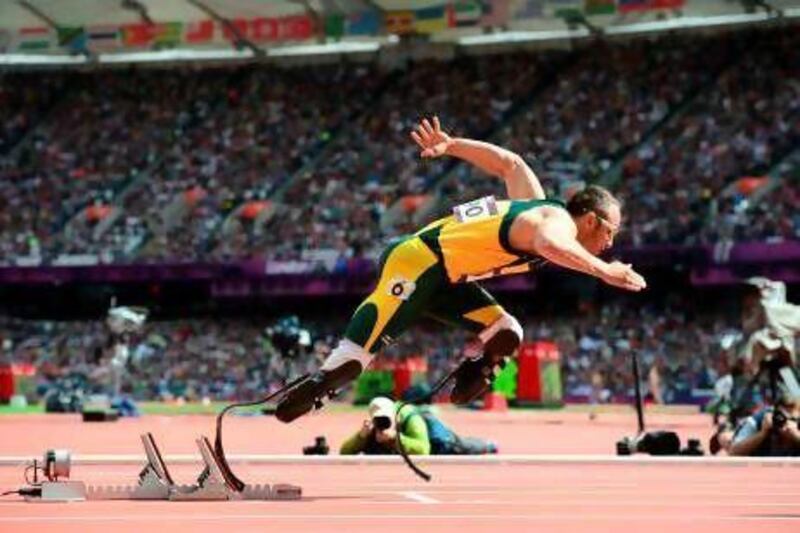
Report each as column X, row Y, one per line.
column 568, row 494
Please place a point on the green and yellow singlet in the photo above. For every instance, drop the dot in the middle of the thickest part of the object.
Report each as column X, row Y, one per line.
column 429, row 273
column 473, row 242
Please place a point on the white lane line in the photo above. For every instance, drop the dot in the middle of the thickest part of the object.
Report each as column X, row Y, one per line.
column 447, row 484
column 585, row 503
column 648, row 518
column 561, row 491
column 418, row 497
column 511, row 459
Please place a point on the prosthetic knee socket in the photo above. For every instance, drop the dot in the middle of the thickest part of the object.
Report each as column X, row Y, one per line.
column 502, row 338
column 344, row 352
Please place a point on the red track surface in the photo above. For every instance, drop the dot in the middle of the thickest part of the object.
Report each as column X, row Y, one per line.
column 561, row 497
column 516, row 432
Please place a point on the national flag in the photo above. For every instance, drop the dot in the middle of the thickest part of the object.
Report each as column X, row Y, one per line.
column 465, row 13
column 201, row 31
column 430, row 20
column 627, row 6
column 35, row 38
column 167, row 34
column 560, row 8
column 103, row 37
column 399, row 22
column 366, row 22
column 67, row 34
column 668, row 4
column 72, row 38
column 137, row 35
column 600, row 7
column 248, row 28
column 296, row 27
column 261, row 29
column 333, row 25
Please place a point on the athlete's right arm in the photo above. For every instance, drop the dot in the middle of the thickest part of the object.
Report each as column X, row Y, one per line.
column 521, row 182
column 555, row 240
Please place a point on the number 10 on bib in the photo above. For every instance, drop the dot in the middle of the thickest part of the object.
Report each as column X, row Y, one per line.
column 476, row 209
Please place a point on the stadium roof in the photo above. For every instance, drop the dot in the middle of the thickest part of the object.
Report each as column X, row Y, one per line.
column 80, row 31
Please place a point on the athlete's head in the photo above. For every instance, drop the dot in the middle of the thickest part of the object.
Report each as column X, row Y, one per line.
column 598, row 216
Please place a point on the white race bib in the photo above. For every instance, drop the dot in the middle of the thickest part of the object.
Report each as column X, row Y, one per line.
column 476, row 210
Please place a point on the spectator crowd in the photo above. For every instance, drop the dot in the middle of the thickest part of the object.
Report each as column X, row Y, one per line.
column 228, row 358
column 217, row 163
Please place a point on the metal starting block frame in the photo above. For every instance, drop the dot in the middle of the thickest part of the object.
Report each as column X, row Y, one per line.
column 156, row 483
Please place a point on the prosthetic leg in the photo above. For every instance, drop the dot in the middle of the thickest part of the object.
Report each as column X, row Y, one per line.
column 343, row 366
column 474, row 376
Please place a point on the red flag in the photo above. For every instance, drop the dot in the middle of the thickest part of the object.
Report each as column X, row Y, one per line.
column 297, row 27
column 264, row 29
column 668, row 4
column 242, row 25
column 199, row 32
column 137, row 34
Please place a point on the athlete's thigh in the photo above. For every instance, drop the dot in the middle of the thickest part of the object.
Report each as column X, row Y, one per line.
column 410, row 276
column 465, row 305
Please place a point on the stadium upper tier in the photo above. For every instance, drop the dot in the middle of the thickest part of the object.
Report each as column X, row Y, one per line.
column 700, row 135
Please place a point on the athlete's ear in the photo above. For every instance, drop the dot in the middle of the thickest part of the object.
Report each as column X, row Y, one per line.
column 595, row 219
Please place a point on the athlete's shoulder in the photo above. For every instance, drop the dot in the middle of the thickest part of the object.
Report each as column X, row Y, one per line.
column 547, row 213
column 539, row 202
column 537, row 207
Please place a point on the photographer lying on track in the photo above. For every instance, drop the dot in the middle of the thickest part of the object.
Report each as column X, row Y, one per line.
column 421, row 433
column 770, row 432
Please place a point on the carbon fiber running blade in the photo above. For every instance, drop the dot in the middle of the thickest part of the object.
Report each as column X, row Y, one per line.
column 219, row 453
column 225, row 469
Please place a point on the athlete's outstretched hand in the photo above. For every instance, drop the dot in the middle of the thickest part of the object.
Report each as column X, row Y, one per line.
column 623, row 276
column 430, row 137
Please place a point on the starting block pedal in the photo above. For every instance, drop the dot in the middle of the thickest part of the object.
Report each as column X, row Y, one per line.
column 156, row 483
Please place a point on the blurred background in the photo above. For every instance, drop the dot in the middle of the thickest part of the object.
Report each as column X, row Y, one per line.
column 234, row 168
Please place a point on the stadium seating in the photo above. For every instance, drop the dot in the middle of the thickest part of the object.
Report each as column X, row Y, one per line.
column 224, row 359
column 210, row 163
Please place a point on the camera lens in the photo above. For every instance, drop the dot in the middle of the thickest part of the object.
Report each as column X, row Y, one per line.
column 382, row 423
column 779, row 419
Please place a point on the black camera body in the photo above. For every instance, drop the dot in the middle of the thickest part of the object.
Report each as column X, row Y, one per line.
column 381, row 423
column 779, row 419
column 652, row 442
column 289, row 337
column 320, row 447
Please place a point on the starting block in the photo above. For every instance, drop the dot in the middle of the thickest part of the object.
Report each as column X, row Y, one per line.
column 156, row 483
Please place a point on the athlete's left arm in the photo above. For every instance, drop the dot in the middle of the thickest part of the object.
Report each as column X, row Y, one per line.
column 521, row 182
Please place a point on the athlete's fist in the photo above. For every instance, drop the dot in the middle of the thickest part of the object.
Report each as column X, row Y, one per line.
column 431, row 139
column 623, row 276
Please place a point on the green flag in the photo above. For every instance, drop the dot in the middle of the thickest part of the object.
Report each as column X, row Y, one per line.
column 600, row 7
column 334, row 25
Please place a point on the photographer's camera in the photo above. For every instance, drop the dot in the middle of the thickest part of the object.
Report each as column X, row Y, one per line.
column 381, row 423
